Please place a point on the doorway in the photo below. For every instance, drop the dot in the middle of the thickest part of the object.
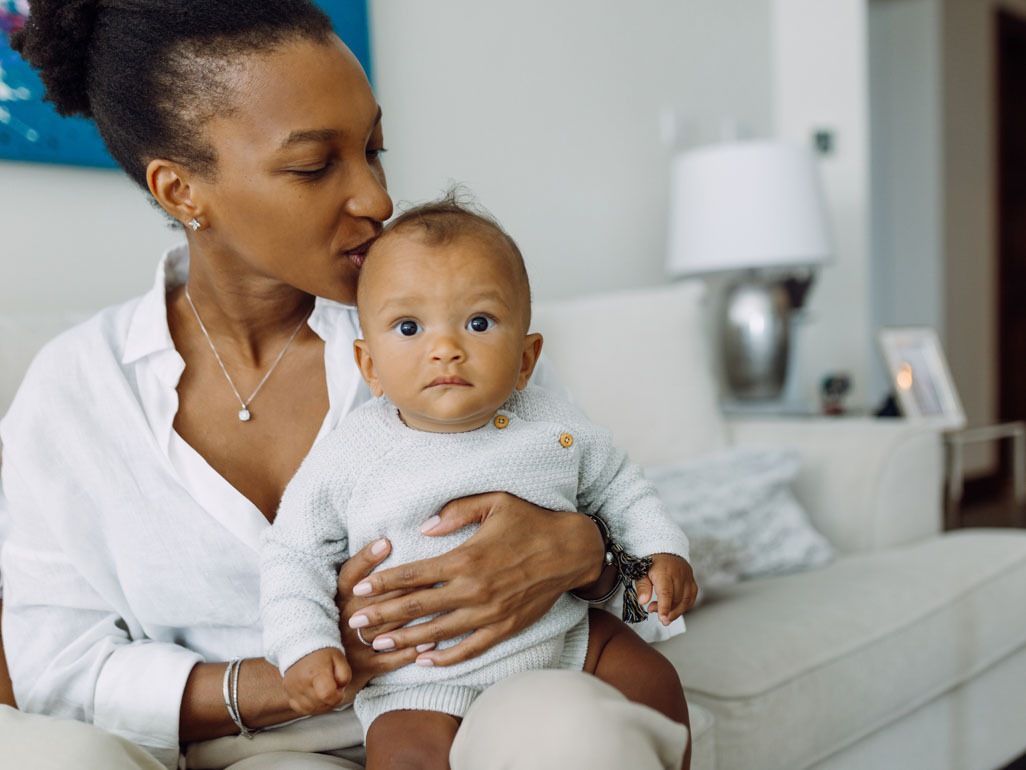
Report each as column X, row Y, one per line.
column 1011, row 225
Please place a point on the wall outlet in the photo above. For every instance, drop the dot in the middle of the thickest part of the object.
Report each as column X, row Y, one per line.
column 823, row 141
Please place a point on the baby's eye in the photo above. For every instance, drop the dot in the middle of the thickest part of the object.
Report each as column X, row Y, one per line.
column 408, row 328
column 480, row 323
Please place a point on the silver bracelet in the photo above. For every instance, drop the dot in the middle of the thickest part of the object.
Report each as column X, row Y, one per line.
column 231, row 696
column 226, row 685
column 608, row 560
column 629, row 568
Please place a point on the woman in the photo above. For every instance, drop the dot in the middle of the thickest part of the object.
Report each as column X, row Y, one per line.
column 149, row 447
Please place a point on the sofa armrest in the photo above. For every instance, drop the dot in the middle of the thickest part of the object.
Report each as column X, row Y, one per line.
column 866, row 483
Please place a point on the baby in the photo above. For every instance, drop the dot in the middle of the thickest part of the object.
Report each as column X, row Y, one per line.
column 444, row 305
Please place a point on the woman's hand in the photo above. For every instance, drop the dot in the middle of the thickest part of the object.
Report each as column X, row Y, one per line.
column 364, row 661
column 498, row 582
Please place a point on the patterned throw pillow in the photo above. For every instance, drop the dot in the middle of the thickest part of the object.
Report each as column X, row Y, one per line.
column 743, row 521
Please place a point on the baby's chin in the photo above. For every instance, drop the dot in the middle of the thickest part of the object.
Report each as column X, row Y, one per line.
column 447, row 422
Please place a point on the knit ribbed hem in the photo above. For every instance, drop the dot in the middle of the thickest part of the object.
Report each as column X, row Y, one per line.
column 446, row 698
column 575, row 647
column 645, row 547
column 285, row 657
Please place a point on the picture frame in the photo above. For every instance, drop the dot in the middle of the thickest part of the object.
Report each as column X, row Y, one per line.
column 919, row 374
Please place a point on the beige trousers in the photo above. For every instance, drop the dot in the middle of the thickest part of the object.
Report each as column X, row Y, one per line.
column 45, row 743
column 540, row 720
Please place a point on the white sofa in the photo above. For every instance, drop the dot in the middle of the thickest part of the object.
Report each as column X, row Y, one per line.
column 907, row 652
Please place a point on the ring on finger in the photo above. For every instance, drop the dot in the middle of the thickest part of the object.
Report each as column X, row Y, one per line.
column 359, row 636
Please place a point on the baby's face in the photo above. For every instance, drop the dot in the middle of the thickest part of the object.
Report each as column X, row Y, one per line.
column 443, row 328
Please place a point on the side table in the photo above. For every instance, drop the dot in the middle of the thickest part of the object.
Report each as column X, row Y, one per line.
column 955, row 442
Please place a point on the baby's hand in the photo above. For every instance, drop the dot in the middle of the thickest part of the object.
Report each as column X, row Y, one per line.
column 671, row 583
column 317, row 682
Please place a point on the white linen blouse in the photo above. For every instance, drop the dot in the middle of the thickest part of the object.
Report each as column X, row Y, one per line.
column 129, row 559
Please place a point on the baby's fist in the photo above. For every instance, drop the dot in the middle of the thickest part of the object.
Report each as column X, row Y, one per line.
column 317, row 682
column 670, row 586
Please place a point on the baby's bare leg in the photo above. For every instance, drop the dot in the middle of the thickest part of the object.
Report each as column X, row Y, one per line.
column 409, row 739
column 620, row 657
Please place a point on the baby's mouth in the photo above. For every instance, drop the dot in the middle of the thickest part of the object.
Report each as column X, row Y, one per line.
column 457, row 381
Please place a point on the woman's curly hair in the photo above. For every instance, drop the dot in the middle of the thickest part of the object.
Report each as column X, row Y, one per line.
column 152, row 72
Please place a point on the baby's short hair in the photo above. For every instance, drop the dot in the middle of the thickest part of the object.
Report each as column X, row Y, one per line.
column 455, row 216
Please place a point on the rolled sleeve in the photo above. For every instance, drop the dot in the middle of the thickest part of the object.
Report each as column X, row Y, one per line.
column 139, row 695
column 72, row 653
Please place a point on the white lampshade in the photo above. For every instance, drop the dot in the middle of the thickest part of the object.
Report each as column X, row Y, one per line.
column 746, row 205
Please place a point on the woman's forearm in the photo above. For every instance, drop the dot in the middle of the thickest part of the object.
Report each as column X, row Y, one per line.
column 598, row 577
column 262, row 700
column 600, row 587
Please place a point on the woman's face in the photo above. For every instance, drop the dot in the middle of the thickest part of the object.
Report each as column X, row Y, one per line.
column 299, row 191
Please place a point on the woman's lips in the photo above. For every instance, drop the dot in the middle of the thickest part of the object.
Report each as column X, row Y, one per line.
column 459, row 381
column 358, row 254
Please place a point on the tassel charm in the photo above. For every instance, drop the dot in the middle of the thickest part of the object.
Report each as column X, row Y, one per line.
column 629, row 568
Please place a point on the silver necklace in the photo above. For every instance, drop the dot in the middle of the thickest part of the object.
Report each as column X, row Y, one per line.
column 244, row 413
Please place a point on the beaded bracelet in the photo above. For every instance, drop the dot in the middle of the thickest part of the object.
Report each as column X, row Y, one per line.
column 628, row 569
column 231, row 696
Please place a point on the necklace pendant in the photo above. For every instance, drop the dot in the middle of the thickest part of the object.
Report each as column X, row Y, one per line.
column 244, row 415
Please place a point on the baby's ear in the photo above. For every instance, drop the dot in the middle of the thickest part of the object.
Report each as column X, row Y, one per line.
column 529, row 359
column 366, row 364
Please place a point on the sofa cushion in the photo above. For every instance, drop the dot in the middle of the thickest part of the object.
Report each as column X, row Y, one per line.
column 650, row 379
column 795, row 667
column 703, row 742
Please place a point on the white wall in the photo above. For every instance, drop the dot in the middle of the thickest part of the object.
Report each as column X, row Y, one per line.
column 74, row 238
column 907, row 266
column 549, row 110
column 820, row 76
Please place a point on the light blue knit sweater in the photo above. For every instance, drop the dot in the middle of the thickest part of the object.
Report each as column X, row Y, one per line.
column 374, row 477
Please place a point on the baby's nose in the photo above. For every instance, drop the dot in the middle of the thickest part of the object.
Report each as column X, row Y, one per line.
column 447, row 349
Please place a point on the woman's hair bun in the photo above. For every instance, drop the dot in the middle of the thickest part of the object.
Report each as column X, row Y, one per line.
column 55, row 41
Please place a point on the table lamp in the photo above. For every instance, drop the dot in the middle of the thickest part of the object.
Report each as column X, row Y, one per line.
column 755, row 208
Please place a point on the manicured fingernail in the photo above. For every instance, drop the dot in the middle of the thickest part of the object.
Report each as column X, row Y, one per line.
column 383, row 643
column 430, row 524
column 379, row 547
column 425, row 647
column 425, row 662
column 362, row 589
column 359, row 621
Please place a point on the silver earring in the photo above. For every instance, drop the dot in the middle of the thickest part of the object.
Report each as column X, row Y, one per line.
column 194, row 224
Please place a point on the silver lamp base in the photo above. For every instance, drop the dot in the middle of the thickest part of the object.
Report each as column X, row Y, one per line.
column 756, row 337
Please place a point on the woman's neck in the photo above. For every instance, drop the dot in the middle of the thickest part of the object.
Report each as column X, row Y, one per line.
column 248, row 315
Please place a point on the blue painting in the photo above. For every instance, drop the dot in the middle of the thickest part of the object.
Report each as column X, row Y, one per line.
column 31, row 130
